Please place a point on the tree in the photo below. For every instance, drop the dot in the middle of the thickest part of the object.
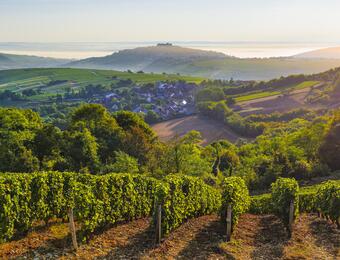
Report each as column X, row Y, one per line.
column 124, row 164
column 329, row 150
column 184, row 155
column 80, row 150
column 103, row 126
column 152, row 117
column 47, row 146
column 139, row 136
column 229, row 160
column 210, row 94
column 17, row 130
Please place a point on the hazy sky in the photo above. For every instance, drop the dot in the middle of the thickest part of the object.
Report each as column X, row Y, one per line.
column 160, row 20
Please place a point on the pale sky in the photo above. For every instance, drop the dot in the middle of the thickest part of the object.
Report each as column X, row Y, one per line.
column 170, row 20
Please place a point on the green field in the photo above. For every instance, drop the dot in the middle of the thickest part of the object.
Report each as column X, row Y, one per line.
column 251, row 96
column 257, row 95
column 17, row 80
column 306, row 84
column 25, row 79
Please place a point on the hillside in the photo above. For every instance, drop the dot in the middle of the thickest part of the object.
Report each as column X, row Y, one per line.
column 56, row 80
column 11, row 61
column 154, row 58
column 326, row 53
column 176, row 59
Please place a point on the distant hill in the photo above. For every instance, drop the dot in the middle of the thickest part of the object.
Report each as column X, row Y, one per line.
column 150, row 59
column 208, row 64
column 11, row 61
column 327, row 53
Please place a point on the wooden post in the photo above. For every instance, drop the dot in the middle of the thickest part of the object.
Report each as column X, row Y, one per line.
column 291, row 216
column 229, row 222
column 72, row 229
column 159, row 224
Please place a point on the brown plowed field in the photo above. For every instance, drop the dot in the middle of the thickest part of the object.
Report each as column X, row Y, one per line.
column 211, row 130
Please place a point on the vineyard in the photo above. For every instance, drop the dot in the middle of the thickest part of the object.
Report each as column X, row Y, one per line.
column 97, row 202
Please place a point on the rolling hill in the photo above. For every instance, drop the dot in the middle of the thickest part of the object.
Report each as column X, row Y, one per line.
column 11, row 61
column 53, row 81
column 327, row 53
column 208, row 64
column 154, row 58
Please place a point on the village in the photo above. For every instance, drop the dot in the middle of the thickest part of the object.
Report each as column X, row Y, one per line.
column 166, row 100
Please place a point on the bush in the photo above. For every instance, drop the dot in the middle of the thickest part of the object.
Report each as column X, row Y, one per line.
column 285, row 190
column 234, row 192
column 184, row 197
column 328, row 201
column 96, row 200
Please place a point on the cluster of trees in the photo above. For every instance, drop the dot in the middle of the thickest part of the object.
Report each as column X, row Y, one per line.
column 221, row 112
column 92, row 139
column 96, row 141
column 284, row 117
column 11, row 96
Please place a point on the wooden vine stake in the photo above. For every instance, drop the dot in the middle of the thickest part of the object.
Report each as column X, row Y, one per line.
column 291, row 217
column 159, row 224
column 229, row 222
column 72, row 229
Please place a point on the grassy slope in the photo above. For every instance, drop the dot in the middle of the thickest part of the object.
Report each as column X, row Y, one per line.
column 12, row 61
column 21, row 79
column 256, row 69
column 262, row 94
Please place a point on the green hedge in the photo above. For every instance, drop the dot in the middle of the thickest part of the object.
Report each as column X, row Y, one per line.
column 234, row 192
column 327, row 201
column 97, row 200
column 284, row 190
column 184, row 197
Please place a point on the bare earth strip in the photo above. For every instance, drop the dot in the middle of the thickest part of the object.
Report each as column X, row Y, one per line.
column 255, row 237
column 211, row 130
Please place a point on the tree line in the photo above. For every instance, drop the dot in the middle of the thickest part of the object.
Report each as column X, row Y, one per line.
column 93, row 140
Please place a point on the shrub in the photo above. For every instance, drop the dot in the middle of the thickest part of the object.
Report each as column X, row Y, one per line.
column 328, row 201
column 285, row 190
column 234, row 192
column 184, row 197
column 96, row 200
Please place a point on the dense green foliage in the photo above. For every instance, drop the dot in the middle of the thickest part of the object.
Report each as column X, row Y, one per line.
column 284, row 191
column 183, row 197
column 96, row 200
column 236, row 194
column 330, row 148
column 328, row 201
column 96, row 141
column 91, row 140
column 221, row 112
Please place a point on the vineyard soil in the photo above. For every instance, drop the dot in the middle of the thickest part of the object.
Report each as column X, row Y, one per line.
column 256, row 237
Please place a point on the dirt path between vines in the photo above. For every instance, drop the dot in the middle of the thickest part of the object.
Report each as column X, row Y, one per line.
column 256, row 237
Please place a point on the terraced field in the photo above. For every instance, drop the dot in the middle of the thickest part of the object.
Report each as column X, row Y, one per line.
column 289, row 98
